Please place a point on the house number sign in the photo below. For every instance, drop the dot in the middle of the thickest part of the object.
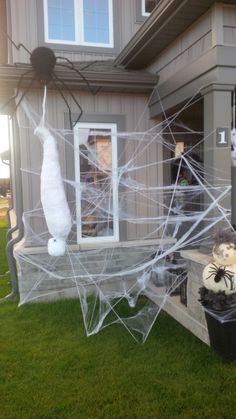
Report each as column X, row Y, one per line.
column 222, row 137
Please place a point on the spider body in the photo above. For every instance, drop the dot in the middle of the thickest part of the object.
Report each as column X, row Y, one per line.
column 221, row 272
column 43, row 62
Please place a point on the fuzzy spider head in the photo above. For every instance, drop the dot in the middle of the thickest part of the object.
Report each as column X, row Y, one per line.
column 43, row 61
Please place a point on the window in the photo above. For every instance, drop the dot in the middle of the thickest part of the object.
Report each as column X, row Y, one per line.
column 148, row 6
column 79, row 22
column 179, row 149
column 96, row 175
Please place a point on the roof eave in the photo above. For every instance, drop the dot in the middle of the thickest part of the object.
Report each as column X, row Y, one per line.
column 153, row 36
column 119, row 80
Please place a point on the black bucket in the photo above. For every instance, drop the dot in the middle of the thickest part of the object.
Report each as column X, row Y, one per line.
column 222, row 336
column 220, row 313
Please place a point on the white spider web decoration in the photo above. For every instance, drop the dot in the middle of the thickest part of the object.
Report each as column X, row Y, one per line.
column 128, row 281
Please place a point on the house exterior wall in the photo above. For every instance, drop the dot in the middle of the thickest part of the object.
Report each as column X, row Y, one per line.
column 198, row 57
column 190, row 45
column 200, row 65
column 229, row 24
column 3, row 39
column 102, row 107
column 216, row 27
column 27, row 27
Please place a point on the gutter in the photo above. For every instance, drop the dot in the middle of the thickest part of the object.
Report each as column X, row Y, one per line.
column 104, row 76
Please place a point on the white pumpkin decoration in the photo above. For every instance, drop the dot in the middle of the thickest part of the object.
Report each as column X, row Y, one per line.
column 220, row 275
column 218, row 278
column 224, row 254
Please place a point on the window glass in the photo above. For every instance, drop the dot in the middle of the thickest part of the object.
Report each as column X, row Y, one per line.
column 148, row 6
column 81, row 22
column 61, row 20
column 95, row 171
column 96, row 21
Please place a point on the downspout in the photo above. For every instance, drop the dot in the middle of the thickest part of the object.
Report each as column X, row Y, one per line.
column 16, row 187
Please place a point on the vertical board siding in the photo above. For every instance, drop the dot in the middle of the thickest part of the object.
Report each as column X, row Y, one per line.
column 23, row 28
column 190, row 45
column 3, row 25
column 24, row 22
column 229, row 24
column 136, row 117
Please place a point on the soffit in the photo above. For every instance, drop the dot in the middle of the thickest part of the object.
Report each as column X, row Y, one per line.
column 167, row 21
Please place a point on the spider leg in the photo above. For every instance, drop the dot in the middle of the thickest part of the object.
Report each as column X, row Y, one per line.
column 213, row 274
column 23, row 95
column 66, row 102
column 231, row 282
column 213, row 271
column 17, row 46
column 17, row 92
column 72, row 67
column 230, row 278
column 225, row 282
column 229, row 272
column 227, row 275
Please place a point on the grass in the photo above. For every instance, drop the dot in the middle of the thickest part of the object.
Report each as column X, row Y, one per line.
column 4, row 279
column 4, row 205
column 49, row 369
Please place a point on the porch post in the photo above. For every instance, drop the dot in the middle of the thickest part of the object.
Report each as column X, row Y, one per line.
column 217, row 133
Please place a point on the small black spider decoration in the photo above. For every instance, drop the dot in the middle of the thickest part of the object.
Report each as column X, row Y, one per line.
column 43, row 62
column 220, row 273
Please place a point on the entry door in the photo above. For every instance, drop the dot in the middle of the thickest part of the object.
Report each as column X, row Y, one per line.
column 96, row 182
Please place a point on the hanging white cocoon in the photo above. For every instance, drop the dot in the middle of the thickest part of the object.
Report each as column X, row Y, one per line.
column 53, row 197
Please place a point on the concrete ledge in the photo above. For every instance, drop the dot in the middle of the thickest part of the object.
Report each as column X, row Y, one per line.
column 20, row 249
column 192, row 316
column 180, row 313
column 44, row 278
column 196, row 256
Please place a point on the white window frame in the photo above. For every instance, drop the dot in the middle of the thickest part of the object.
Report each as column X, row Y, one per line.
column 113, row 128
column 143, row 8
column 79, row 27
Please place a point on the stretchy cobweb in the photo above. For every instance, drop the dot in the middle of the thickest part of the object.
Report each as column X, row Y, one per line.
column 131, row 216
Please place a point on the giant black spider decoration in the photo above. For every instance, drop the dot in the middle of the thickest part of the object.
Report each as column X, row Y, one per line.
column 220, row 273
column 43, row 62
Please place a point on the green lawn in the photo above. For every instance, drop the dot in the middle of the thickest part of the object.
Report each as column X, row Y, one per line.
column 50, row 369
column 4, row 279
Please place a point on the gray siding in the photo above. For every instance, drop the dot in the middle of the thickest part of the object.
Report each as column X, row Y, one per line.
column 229, row 25
column 216, row 27
column 26, row 27
column 135, row 114
column 190, row 45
